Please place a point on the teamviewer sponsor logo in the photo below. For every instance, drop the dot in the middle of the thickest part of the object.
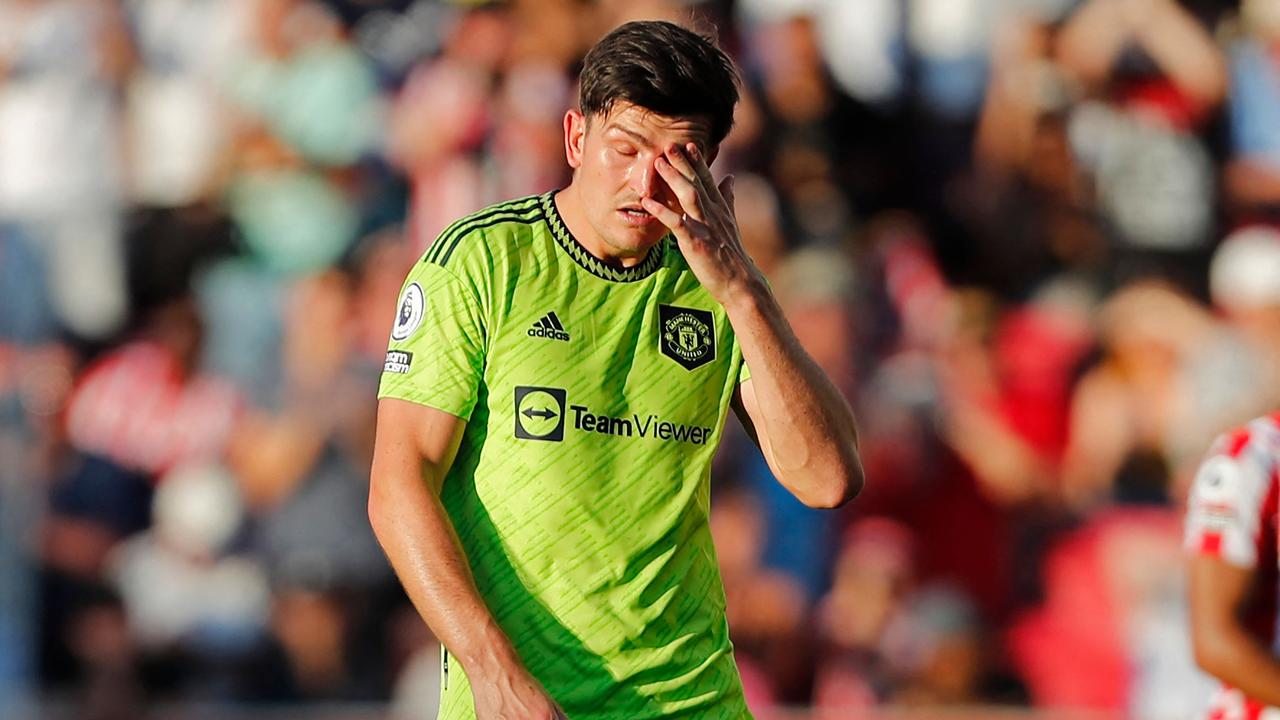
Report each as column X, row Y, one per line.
column 540, row 413
column 548, row 326
column 648, row 426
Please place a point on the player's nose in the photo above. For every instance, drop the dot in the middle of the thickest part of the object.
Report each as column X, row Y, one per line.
column 645, row 180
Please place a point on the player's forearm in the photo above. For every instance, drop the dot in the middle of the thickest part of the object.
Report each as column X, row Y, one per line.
column 810, row 436
column 1233, row 657
column 420, row 541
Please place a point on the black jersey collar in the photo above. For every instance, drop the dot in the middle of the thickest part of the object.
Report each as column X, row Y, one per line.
column 590, row 262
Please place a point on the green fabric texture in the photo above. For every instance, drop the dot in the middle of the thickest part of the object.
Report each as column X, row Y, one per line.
column 595, row 399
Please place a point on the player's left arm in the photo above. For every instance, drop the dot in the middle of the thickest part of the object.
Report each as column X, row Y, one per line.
column 802, row 423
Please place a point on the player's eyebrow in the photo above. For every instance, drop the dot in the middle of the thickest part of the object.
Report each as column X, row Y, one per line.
column 613, row 125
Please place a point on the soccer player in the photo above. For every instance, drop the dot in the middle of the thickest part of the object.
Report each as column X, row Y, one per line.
column 1231, row 536
column 558, row 378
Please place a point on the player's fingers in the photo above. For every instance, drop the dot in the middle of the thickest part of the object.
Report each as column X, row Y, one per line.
column 681, row 163
column 687, row 160
column 681, row 225
column 674, row 221
column 687, row 194
column 706, row 179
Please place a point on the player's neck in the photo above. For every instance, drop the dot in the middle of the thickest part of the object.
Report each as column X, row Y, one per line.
column 574, row 217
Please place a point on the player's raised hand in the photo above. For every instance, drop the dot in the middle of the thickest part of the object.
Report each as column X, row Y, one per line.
column 707, row 229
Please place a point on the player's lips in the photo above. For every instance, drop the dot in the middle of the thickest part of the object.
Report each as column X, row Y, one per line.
column 635, row 215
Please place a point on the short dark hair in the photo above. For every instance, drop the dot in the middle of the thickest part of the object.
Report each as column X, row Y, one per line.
column 664, row 68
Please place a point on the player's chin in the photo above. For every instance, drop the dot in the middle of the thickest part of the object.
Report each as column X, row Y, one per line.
column 639, row 237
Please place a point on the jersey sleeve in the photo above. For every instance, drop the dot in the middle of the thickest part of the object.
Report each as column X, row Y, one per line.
column 436, row 353
column 744, row 372
column 1229, row 502
column 738, row 364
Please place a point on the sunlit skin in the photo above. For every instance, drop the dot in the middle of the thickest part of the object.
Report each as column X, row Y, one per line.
column 616, row 160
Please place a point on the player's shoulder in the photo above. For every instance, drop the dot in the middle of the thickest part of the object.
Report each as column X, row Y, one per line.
column 1233, row 496
column 487, row 234
column 1243, row 459
column 1258, row 439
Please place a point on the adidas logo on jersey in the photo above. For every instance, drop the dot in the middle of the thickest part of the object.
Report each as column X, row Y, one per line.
column 549, row 327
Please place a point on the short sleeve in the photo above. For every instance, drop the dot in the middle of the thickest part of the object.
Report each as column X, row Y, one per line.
column 738, row 364
column 1229, row 502
column 436, row 353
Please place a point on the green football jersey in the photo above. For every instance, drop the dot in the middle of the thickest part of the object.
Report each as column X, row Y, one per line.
column 595, row 398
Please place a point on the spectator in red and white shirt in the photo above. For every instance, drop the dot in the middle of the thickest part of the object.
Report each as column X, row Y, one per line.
column 137, row 413
column 147, row 407
column 1231, row 538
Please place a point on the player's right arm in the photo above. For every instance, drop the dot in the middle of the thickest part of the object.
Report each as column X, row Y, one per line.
column 1223, row 647
column 414, row 448
column 1227, row 519
column 429, row 388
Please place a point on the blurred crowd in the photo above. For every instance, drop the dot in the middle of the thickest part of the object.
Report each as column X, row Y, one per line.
column 1036, row 242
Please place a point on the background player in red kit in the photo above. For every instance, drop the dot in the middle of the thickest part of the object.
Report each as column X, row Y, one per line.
column 1231, row 537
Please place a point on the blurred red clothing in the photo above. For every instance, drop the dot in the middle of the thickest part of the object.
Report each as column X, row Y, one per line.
column 137, row 408
column 1036, row 353
column 1073, row 651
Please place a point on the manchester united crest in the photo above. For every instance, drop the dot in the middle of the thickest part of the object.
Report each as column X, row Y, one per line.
column 687, row 336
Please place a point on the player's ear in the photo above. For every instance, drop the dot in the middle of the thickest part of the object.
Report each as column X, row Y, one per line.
column 575, row 137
